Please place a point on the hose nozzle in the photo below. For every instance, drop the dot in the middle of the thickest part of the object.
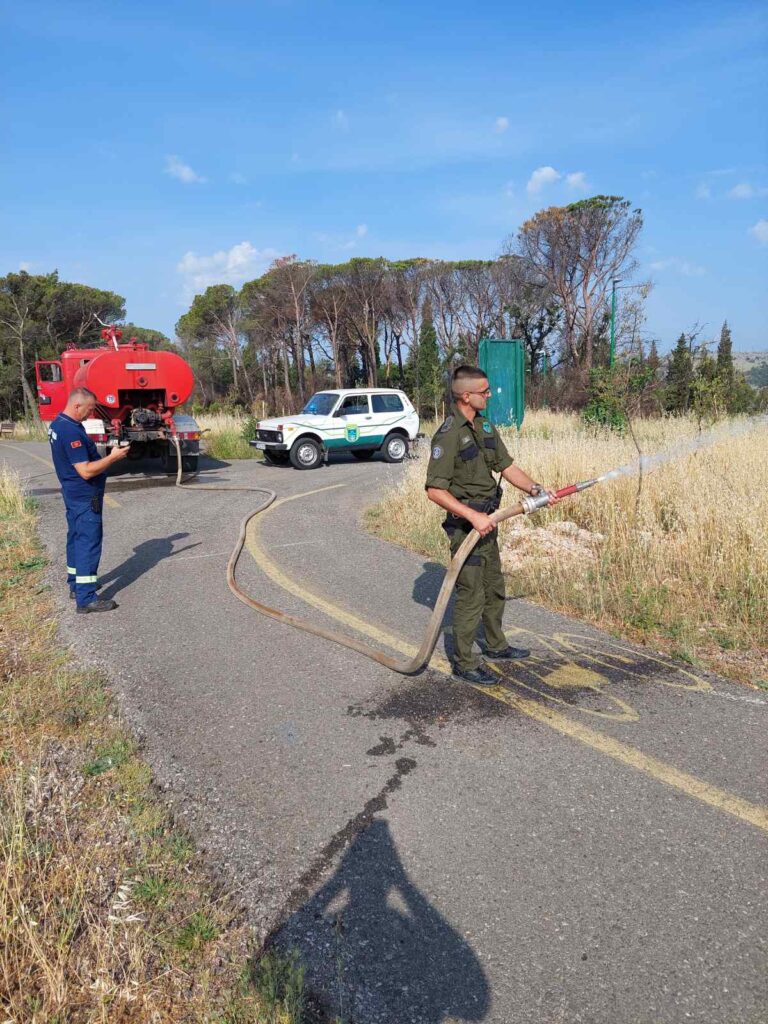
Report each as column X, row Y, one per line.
column 582, row 485
column 542, row 500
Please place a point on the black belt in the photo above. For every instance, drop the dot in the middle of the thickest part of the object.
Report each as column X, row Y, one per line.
column 486, row 505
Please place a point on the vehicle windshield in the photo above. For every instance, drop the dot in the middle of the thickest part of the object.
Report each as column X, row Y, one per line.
column 321, row 404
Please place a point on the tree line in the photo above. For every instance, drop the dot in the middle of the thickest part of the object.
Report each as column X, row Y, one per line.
column 303, row 326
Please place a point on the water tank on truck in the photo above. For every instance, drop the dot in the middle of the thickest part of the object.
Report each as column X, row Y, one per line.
column 137, row 393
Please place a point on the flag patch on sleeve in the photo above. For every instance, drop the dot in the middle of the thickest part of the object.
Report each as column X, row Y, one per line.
column 76, row 444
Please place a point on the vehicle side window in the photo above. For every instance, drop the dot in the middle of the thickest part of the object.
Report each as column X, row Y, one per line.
column 354, row 405
column 387, row 403
column 49, row 373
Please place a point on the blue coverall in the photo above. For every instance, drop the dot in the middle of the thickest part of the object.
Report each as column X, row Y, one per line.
column 83, row 500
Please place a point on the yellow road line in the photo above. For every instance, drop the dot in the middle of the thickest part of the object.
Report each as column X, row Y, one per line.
column 47, row 462
column 690, row 785
column 721, row 799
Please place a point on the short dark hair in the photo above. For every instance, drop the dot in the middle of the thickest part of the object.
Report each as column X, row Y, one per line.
column 81, row 393
column 462, row 373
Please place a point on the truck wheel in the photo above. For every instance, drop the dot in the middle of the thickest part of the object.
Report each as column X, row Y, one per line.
column 364, row 455
column 395, row 448
column 189, row 463
column 276, row 458
column 306, row 454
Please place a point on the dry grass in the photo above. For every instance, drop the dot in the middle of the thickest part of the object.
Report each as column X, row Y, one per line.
column 224, row 436
column 684, row 563
column 106, row 913
column 29, row 430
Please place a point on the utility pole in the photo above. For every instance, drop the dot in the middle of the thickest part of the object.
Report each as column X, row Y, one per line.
column 612, row 356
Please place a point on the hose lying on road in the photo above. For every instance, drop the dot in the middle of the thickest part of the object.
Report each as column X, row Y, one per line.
column 424, row 653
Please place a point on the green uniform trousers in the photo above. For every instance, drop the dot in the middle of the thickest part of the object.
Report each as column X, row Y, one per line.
column 480, row 595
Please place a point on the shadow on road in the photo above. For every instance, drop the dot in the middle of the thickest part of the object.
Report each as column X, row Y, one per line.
column 376, row 948
column 145, row 556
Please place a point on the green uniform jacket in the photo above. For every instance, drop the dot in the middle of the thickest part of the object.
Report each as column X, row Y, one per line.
column 463, row 456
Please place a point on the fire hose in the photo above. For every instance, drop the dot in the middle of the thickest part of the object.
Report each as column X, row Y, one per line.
column 405, row 667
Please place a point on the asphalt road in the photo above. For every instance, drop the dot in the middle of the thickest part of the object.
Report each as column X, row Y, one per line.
column 585, row 842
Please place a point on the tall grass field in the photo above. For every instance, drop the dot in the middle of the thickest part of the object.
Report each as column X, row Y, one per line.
column 677, row 559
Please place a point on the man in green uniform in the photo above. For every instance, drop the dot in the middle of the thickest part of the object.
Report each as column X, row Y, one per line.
column 466, row 450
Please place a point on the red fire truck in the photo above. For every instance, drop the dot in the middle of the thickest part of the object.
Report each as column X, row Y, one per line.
column 137, row 392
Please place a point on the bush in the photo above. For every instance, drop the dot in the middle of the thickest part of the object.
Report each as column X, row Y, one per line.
column 250, row 427
column 605, row 405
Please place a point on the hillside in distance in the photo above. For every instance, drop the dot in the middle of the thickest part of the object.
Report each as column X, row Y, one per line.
column 754, row 365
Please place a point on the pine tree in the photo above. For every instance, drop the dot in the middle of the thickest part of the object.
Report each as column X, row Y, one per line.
column 430, row 384
column 677, row 394
column 725, row 370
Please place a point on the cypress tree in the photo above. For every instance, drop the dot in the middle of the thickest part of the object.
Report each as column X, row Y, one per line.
column 725, row 371
column 677, row 393
column 653, row 361
column 428, row 361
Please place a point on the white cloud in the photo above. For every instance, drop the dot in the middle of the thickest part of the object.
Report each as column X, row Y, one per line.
column 500, row 125
column 232, row 266
column 176, row 168
column 746, row 191
column 577, row 181
column 238, row 179
column 678, row 266
column 703, row 191
column 25, row 265
column 760, row 231
column 342, row 241
column 341, row 120
column 542, row 176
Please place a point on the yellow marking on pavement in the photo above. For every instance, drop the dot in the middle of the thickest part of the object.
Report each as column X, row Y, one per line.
column 47, row 462
column 720, row 799
column 333, row 611
column 690, row 785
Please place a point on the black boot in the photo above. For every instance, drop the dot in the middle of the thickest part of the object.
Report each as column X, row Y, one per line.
column 480, row 676
column 99, row 605
column 507, row 653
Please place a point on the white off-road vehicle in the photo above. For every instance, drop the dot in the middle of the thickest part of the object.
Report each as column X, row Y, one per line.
column 362, row 421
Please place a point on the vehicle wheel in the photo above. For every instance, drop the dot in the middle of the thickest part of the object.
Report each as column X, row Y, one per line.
column 189, row 463
column 364, row 455
column 395, row 448
column 306, row 454
column 276, row 458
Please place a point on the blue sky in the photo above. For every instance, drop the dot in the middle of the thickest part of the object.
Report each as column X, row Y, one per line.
column 156, row 148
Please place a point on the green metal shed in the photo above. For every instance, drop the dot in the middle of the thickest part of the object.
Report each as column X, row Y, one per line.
column 503, row 362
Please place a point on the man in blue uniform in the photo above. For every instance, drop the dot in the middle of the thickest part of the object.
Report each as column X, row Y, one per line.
column 83, row 477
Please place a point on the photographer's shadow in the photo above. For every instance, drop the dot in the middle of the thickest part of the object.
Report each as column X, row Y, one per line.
column 145, row 556
column 376, row 948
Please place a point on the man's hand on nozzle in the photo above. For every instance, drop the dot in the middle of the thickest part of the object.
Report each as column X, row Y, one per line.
column 482, row 523
column 538, row 490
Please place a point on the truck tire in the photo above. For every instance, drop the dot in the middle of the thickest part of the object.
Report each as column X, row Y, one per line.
column 365, row 454
column 189, row 463
column 395, row 448
column 306, row 454
column 277, row 458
